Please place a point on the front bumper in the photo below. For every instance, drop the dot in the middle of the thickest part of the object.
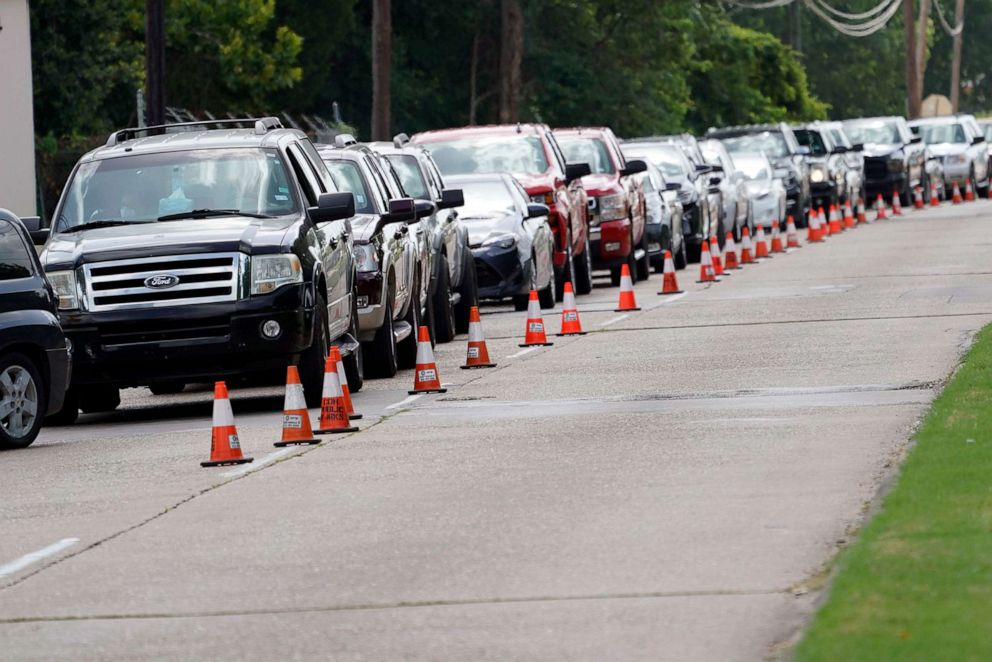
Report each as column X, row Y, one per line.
column 499, row 272
column 879, row 179
column 196, row 343
column 610, row 243
column 368, row 289
column 957, row 172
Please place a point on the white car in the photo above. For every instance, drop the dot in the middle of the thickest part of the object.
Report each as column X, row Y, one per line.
column 732, row 185
column 962, row 147
column 765, row 188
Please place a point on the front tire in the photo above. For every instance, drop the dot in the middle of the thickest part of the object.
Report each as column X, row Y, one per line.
column 354, row 363
column 23, row 400
column 406, row 350
column 312, row 360
column 469, row 291
column 567, row 272
column 644, row 264
column 444, row 312
column 382, row 350
column 546, row 296
column 583, row 270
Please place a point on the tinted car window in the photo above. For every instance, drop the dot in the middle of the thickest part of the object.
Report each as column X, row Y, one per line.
column 408, row 169
column 812, row 140
column 347, row 178
column 14, row 259
column 490, row 154
column 935, row 134
column 587, row 150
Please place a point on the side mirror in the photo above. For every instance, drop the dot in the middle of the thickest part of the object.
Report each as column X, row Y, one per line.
column 978, row 140
column 401, row 210
column 633, row 167
column 450, row 198
column 916, row 140
column 716, row 168
column 575, row 171
column 422, row 208
column 333, row 207
column 858, row 147
column 32, row 224
column 672, row 186
column 715, row 181
column 703, row 168
column 536, row 210
column 839, row 149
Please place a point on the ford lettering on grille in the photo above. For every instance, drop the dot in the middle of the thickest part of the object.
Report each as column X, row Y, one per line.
column 162, row 281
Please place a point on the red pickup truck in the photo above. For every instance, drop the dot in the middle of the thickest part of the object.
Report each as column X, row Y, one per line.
column 617, row 208
column 530, row 153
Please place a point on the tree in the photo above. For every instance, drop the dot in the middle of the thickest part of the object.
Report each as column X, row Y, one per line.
column 381, row 65
column 511, row 55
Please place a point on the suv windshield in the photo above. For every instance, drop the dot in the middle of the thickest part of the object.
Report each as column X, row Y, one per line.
column 880, row 133
column 587, row 150
column 935, row 134
column 773, row 145
column 143, row 187
column 490, row 154
column 667, row 158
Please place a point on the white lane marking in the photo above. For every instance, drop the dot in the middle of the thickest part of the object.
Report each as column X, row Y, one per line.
column 34, row 557
column 616, row 319
column 527, row 350
column 246, row 468
column 405, row 401
column 667, row 299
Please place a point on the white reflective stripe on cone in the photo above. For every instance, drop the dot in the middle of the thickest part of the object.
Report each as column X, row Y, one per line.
column 669, row 265
column 533, row 309
column 223, row 415
column 294, row 398
column 626, row 284
column 475, row 332
column 568, row 303
column 332, row 385
column 424, row 353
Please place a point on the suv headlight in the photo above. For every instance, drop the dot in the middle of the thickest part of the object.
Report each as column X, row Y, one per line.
column 366, row 258
column 612, row 207
column 270, row 272
column 544, row 198
column 501, row 240
column 64, row 284
column 817, row 174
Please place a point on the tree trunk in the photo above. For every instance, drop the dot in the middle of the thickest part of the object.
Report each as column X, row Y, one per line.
column 921, row 43
column 473, row 79
column 956, row 60
column 511, row 54
column 913, row 96
column 382, row 30
column 155, row 62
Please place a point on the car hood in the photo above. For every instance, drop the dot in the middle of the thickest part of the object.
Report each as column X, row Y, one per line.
column 757, row 187
column 483, row 226
column 875, row 150
column 945, row 149
column 363, row 227
column 229, row 234
column 535, row 183
column 601, row 184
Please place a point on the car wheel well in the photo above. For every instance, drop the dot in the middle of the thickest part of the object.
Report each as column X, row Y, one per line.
column 33, row 352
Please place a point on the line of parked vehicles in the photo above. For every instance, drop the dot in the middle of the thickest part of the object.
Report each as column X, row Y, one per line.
column 227, row 249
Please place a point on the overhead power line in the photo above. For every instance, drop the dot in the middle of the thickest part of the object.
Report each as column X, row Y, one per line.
column 951, row 32
column 861, row 24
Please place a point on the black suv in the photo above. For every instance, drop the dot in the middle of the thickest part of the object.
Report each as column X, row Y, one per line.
column 779, row 144
column 895, row 159
column 189, row 253
column 34, row 353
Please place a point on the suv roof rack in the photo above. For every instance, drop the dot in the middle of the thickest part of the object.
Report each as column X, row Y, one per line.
column 344, row 139
column 261, row 126
column 400, row 139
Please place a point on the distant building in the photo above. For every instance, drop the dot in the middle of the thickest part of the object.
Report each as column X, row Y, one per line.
column 17, row 169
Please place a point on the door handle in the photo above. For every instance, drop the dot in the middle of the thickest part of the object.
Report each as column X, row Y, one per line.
column 333, row 242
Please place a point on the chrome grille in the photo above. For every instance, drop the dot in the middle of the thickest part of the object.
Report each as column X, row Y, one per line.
column 122, row 284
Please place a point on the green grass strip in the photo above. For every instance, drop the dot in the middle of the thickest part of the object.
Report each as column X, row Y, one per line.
column 917, row 585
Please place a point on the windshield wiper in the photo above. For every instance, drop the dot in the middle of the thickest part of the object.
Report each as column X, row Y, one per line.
column 210, row 213
column 99, row 224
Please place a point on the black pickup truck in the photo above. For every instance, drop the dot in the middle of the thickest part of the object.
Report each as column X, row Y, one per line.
column 195, row 252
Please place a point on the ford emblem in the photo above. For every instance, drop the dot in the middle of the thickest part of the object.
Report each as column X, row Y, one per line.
column 162, row 281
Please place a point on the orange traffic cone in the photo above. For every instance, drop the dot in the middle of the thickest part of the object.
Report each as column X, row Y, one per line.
column 777, row 246
column 791, row 235
column 343, row 378
column 534, row 335
column 715, row 256
column 848, row 215
column 934, row 197
column 730, row 253
column 426, row 378
column 627, row 300
column 816, row 226
column 570, row 323
column 956, row 195
column 880, row 208
column 478, row 353
column 295, row 417
column 862, row 216
column 969, row 192
column 918, row 198
column 669, row 283
column 225, row 448
column 760, row 243
column 824, row 224
column 896, row 204
column 834, row 220
column 811, row 226
column 706, row 273
column 747, row 254
column 333, row 409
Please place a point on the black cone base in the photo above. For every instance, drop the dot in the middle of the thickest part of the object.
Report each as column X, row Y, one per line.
column 536, row 344
column 221, row 463
column 428, row 390
column 477, row 365
column 335, row 431
column 302, row 442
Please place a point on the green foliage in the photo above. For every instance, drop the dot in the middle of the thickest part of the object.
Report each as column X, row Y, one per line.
column 916, row 585
column 976, row 57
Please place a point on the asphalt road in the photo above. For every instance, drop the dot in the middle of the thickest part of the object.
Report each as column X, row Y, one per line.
column 670, row 486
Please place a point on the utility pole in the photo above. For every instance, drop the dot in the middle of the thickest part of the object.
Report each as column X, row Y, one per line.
column 956, row 61
column 796, row 26
column 511, row 55
column 922, row 22
column 913, row 93
column 382, row 33
column 155, row 61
